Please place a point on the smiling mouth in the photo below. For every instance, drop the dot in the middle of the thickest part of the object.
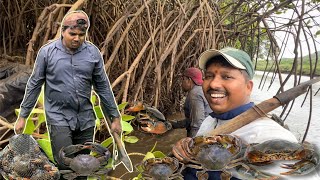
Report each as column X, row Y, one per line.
column 217, row 95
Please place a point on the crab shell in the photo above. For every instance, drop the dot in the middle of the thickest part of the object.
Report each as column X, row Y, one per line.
column 161, row 168
column 84, row 164
column 215, row 153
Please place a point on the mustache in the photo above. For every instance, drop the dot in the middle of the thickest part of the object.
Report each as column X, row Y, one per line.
column 216, row 91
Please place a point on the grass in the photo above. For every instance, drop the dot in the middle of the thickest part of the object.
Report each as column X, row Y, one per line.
column 287, row 64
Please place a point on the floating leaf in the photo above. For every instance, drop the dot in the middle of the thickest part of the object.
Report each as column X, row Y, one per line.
column 131, row 139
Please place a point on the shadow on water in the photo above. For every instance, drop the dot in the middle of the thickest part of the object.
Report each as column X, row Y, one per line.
column 146, row 143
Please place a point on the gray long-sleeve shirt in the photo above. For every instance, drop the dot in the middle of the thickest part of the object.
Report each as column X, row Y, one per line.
column 196, row 109
column 68, row 79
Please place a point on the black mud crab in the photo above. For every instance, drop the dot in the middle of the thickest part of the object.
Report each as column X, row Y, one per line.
column 161, row 168
column 150, row 119
column 84, row 164
column 22, row 158
column 226, row 152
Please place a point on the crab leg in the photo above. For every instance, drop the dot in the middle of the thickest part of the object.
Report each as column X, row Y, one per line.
column 243, row 172
column 299, row 168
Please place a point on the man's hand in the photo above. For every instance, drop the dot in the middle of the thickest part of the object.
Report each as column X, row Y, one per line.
column 181, row 150
column 19, row 125
column 116, row 125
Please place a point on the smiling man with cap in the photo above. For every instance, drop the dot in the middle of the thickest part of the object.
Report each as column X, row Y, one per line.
column 196, row 107
column 227, row 86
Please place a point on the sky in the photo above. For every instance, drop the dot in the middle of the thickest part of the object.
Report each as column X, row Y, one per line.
column 289, row 48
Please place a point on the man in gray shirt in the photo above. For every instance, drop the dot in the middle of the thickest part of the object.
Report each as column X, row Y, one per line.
column 196, row 107
column 69, row 67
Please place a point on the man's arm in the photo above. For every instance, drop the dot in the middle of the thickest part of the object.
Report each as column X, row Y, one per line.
column 32, row 92
column 101, row 85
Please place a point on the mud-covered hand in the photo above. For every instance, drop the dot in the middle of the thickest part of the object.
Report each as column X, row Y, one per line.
column 19, row 125
column 181, row 150
column 116, row 125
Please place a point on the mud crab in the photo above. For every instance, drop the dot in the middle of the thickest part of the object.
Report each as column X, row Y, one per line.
column 150, row 119
column 84, row 164
column 226, row 152
column 161, row 168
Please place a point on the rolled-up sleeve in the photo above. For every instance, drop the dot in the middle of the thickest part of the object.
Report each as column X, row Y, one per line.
column 101, row 85
column 34, row 85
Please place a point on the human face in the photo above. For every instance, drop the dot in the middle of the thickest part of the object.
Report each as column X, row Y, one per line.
column 186, row 83
column 225, row 88
column 73, row 38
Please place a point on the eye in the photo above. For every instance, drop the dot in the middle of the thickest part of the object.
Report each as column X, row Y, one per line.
column 208, row 76
column 226, row 77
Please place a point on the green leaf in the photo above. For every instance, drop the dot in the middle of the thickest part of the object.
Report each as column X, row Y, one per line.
column 107, row 142
column 131, row 139
column 126, row 117
column 46, row 147
column 98, row 123
column 126, row 126
column 318, row 33
column 148, row 156
column 41, row 119
column 122, row 106
column 159, row 154
column 98, row 111
column 93, row 99
column 30, row 127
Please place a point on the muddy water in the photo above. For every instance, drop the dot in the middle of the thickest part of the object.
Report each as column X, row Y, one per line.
column 146, row 143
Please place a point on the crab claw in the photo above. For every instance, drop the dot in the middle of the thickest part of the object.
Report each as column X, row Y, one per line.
column 72, row 149
column 181, row 150
column 98, row 148
column 157, row 127
column 300, row 168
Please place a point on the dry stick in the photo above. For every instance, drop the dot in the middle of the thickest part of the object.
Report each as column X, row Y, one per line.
column 115, row 28
column 137, row 60
column 116, row 49
column 5, row 133
column 18, row 26
column 142, row 77
column 168, row 51
column 30, row 50
column 5, row 123
column 262, row 108
column 49, row 24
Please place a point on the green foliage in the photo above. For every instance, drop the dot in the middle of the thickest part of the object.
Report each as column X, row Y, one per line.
column 150, row 154
column 286, row 65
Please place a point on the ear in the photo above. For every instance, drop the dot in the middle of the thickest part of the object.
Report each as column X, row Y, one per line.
column 249, row 87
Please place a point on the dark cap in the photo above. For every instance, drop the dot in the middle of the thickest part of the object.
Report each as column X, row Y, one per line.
column 76, row 19
column 195, row 74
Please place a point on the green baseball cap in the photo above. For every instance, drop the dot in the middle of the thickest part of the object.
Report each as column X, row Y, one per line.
column 236, row 57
